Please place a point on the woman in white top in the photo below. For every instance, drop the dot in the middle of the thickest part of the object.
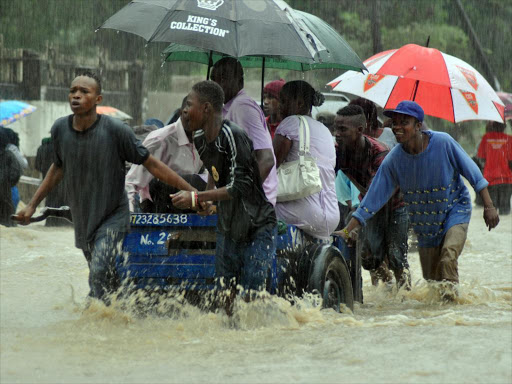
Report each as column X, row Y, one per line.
column 318, row 214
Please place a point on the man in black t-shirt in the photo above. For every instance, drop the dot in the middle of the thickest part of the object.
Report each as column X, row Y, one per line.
column 57, row 197
column 90, row 152
column 246, row 219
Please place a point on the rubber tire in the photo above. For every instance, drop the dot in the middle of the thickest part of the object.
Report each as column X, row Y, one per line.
column 330, row 277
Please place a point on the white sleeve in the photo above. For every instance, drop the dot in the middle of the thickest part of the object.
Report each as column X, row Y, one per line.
column 19, row 156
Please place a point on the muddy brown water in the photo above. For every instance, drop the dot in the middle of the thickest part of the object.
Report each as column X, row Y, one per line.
column 47, row 335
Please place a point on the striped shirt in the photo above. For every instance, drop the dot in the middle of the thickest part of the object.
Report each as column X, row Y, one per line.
column 363, row 168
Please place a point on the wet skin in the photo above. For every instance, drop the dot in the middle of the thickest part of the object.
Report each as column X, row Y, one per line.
column 193, row 114
column 405, row 128
column 83, row 95
column 270, row 105
column 347, row 131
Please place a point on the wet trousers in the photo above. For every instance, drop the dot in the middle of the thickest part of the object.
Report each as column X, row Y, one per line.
column 101, row 257
column 386, row 234
column 441, row 262
column 251, row 263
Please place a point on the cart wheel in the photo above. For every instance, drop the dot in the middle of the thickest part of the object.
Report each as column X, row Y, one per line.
column 330, row 277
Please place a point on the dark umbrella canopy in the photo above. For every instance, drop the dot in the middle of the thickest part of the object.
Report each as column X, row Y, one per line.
column 337, row 53
column 232, row 27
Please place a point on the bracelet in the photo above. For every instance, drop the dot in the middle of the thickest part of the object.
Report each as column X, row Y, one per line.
column 346, row 233
column 193, row 197
column 197, row 198
column 489, row 208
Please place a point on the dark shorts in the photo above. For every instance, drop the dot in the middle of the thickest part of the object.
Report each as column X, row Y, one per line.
column 250, row 264
column 385, row 234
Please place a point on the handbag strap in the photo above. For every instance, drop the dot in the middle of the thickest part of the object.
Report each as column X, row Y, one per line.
column 303, row 141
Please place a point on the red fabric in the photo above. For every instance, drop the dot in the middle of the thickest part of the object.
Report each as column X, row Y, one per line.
column 427, row 65
column 364, row 168
column 271, row 127
column 496, row 149
column 436, row 100
column 504, row 111
column 418, row 63
column 376, row 57
column 274, row 88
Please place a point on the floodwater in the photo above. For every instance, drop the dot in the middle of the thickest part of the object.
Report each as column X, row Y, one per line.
column 47, row 335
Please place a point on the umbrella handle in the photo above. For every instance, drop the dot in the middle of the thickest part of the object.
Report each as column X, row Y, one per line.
column 210, row 64
column 262, row 80
column 416, row 84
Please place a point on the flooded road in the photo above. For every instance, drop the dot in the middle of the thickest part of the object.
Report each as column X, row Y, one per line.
column 47, row 335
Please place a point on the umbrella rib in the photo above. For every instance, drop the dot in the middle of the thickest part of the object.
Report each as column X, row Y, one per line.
column 390, row 93
column 288, row 12
column 453, row 104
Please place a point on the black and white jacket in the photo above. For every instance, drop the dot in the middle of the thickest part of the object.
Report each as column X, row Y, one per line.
column 231, row 163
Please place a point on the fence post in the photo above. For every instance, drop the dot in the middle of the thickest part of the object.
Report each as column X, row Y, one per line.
column 31, row 83
column 137, row 91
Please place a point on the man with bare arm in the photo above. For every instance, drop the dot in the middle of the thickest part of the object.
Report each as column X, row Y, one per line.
column 90, row 152
column 427, row 167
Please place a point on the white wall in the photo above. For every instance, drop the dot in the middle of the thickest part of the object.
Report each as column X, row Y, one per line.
column 34, row 127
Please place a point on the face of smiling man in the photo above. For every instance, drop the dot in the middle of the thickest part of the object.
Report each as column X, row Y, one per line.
column 405, row 127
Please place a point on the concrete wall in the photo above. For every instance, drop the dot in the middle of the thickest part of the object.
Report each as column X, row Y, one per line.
column 34, row 127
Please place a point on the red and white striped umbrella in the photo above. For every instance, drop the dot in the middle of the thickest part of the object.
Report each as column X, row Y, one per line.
column 445, row 86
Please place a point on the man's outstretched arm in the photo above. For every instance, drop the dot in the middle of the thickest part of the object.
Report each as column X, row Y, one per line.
column 53, row 177
column 165, row 174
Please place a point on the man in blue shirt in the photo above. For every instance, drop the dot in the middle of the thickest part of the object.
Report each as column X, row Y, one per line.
column 427, row 166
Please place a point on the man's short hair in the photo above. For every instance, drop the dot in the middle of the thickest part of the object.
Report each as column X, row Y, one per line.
column 497, row 126
column 369, row 109
column 353, row 111
column 94, row 76
column 211, row 92
column 350, row 110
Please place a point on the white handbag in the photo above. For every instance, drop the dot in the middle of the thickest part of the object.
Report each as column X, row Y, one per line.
column 299, row 178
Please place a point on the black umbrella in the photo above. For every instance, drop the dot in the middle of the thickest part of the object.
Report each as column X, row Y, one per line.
column 232, row 27
column 255, row 30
